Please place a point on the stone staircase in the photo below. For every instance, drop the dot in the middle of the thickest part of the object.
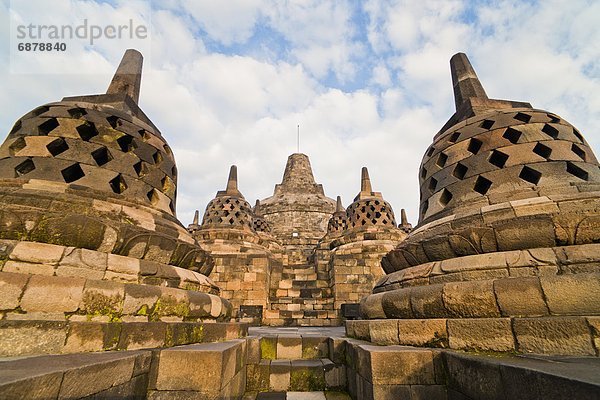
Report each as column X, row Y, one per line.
column 300, row 295
column 294, row 363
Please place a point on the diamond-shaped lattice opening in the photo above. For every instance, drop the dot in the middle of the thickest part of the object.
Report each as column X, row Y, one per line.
column 140, row 168
column 76, row 112
column 474, row 145
column 430, row 151
column 17, row 146
column 542, row 150
column 87, row 131
column 498, row 158
column 441, row 161
column 487, row 124
column 153, row 196
column 24, row 168
column 460, row 171
column 482, row 185
column 144, row 134
column 445, row 197
column 172, row 206
column 522, row 117
column 72, row 173
column 174, row 172
column 377, row 202
column 168, row 149
column 48, row 126
column 101, row 156
column 530, row 175
column 576, row 133
column 550, row 131
column 454, row 137
column 167, row 184
column 577, row 171
column 39, row 111
column 57, row 146
column 512, row 135
column 126, row 143
column 157, row 157
column 16, row 127
column 118, row 184
column 432, row 184
column 579, row 151
column 425, row 207
column 553, row 118
column 114, row 121
column 423, row 173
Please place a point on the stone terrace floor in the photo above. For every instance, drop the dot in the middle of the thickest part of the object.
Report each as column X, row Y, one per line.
column 337, row 331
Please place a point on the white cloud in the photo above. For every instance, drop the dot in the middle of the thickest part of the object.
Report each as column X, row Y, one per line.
column 240, row 108
column 227, row 22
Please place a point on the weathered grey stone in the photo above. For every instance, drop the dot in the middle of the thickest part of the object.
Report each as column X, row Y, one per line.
column 426, row 301
column 519, row 297
column 90, row 379
column 423, row 332
column 31, row 337
column 470, row 299
column 11, row 289
column 396, row 365
column 220, row 356
column 554, row 335
column 38, row 253
column 383, row 332
column 487, row 334
column 289, row 347
column 575, row 294
column 52, row 293
column 396, row 303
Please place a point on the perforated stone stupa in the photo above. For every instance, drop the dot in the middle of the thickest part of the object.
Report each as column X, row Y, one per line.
column 506, row 254
column 89, row 240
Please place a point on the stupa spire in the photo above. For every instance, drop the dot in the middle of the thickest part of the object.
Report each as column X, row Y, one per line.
column 339, row 207
column 365, row 181
column 464, row 80
column 128, row 77
column 232, row 184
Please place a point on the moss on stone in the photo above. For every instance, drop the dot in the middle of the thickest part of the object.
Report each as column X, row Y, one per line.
column 268, row 348
column 96, row 304
column 169, row 306
column 198, row 334
column 307, row 379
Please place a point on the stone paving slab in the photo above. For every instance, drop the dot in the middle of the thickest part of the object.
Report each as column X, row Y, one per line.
column 297, row 396
column 337, row 331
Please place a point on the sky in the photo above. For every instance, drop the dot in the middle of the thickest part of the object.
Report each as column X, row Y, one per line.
column 368, row 82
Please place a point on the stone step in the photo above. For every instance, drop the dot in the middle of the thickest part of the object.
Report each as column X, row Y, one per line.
column 107, row 375
column 295, row 375
column 290, row 347
column 328, row 395
column 21, row 337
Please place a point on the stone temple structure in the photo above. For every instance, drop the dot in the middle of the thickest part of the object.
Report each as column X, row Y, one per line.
column 506, row 254
column 294, row 260
column 495, row 294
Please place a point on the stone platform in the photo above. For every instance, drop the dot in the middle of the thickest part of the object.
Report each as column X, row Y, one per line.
column 299, row 363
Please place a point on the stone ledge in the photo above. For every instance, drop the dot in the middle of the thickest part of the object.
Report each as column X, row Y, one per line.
column 221, row 364
column 500, row 227
column 75, row 375
column 61, row 298
column 51, row 259
column 541, row 335
column 534, row 296
column 18, row 338
column 532, row 262
column 550, row 378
